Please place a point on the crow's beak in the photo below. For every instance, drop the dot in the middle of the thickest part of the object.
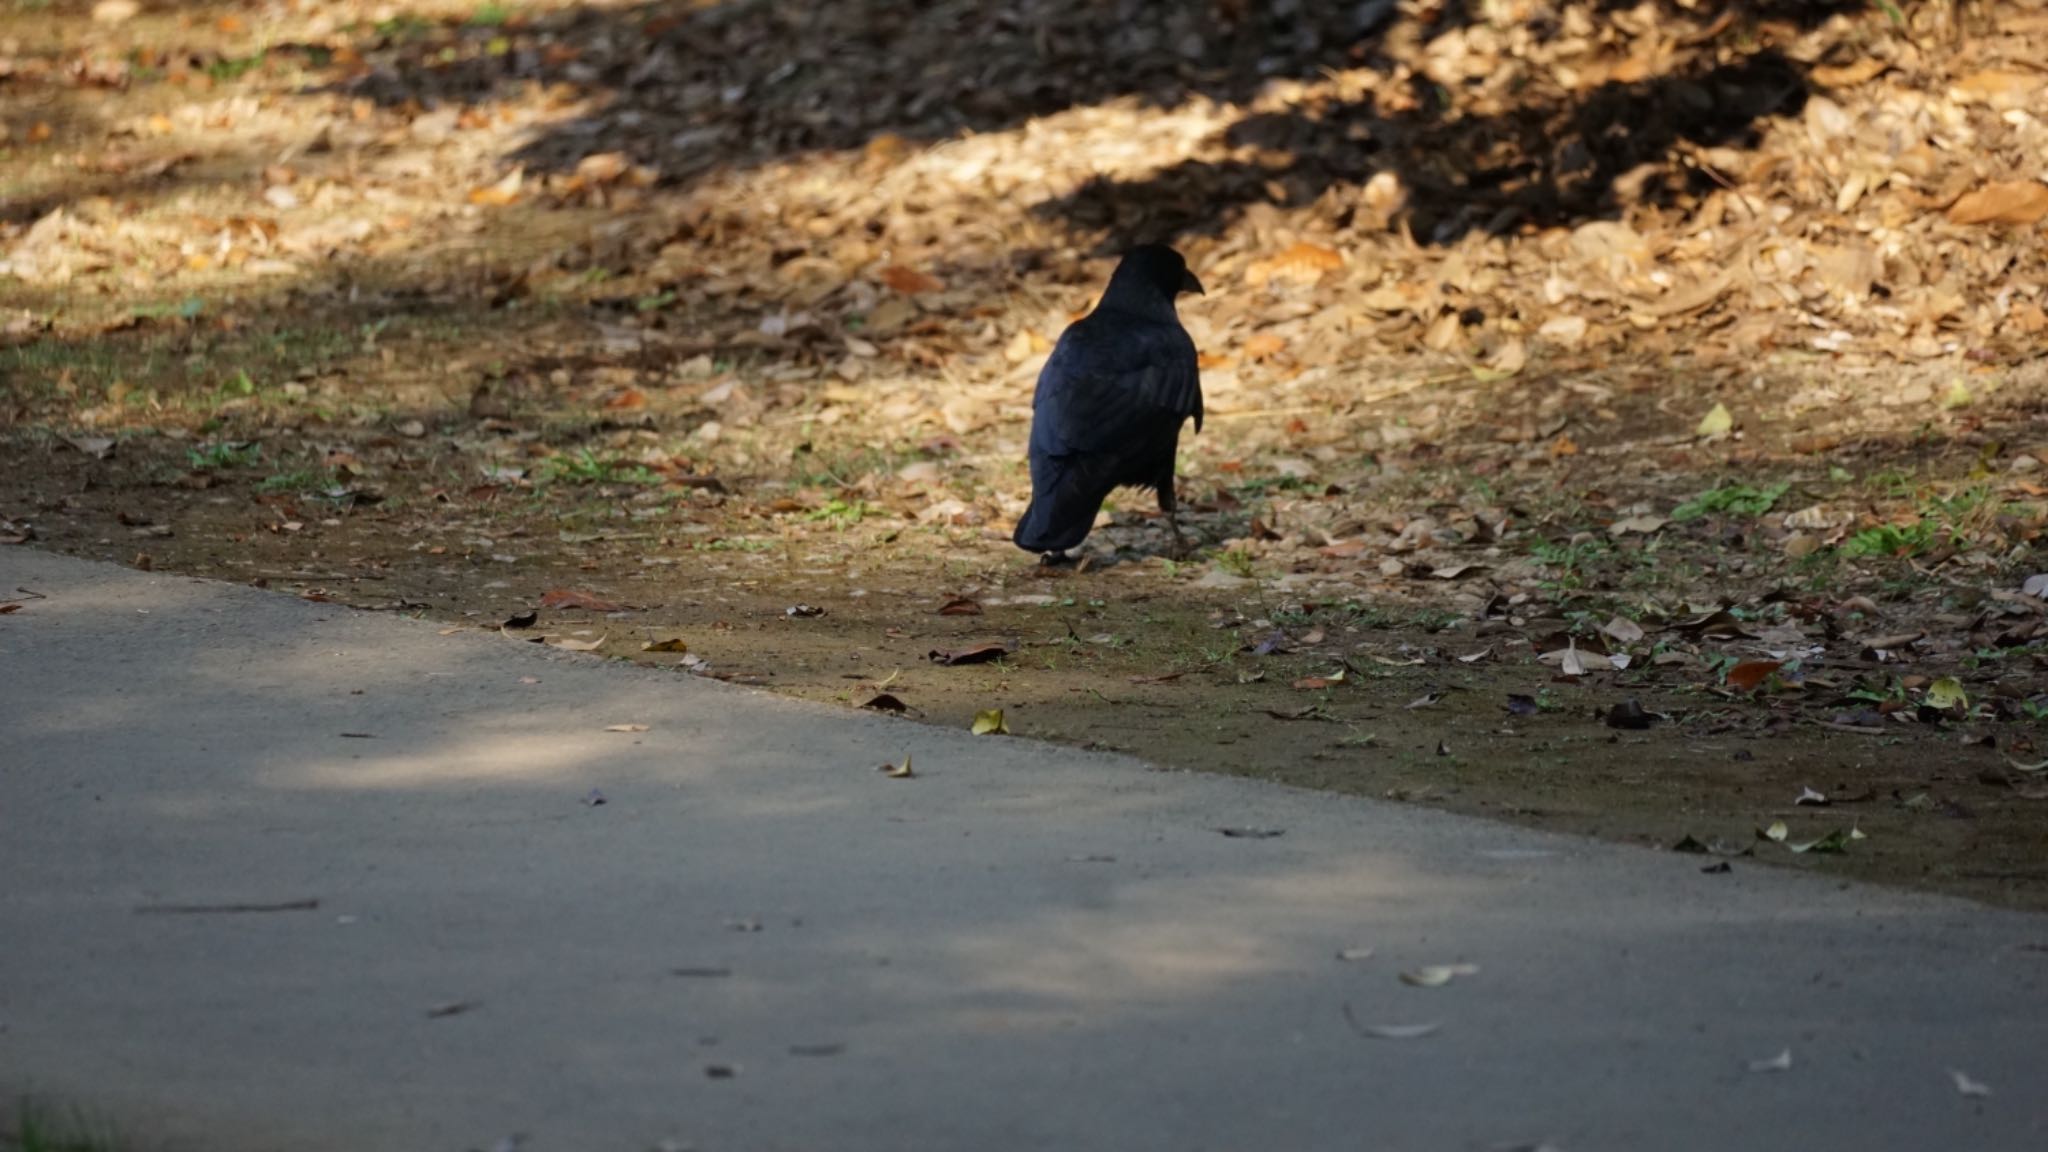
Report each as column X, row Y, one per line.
column 1188, row 283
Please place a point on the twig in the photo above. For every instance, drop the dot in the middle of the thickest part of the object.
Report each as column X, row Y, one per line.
column 223, row 909
column 1858, row 729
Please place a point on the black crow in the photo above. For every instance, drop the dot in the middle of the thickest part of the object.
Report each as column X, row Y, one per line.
column 1110, row 403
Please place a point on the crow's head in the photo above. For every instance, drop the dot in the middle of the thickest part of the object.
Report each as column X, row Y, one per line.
column 1159, row 269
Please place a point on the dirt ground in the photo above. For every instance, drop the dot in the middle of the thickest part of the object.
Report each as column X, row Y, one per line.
column 1664, row 516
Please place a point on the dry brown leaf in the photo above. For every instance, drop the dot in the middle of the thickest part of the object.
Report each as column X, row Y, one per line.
column 504, row 192
column 1302, row 262
column 570, row 645
column 1262, row 345
column 1750, row 674
column 977, row 654
column 2013, row 202
column 576, row 598
column 909, row 281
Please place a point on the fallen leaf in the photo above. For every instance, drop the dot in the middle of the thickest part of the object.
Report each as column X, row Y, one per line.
column 521, row 620
column 990, row 723
column 897, row 771
column 1750, row 674
column 1967, row 1086
column 909, row 281
column 572, row 598
column 567, row 644
column 1263, row 345
column 1630, row 715
column 1809, row 796
column 1622, row 629
column 2010, row 202
column 672, row 644
column 593, row 798
column 504, row 192
column 451, row 1008
column 1438, row 975
column 97, row 447
column 1391, row 1031
column 1575, row 661
column 1252, row 833
column 1352, row 954
column 978, row 654
column 1637, row 525
column 960, row 606
column 626, row 728
column 1717, row 423
column 1782, row 1062
column 803, row 611
column 886, row 702
column 1945, row 694
column 1426, row 700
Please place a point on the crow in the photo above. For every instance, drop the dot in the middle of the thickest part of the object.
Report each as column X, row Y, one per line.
column 1110, row 404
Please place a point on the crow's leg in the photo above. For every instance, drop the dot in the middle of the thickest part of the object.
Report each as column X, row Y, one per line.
column 1169, row 505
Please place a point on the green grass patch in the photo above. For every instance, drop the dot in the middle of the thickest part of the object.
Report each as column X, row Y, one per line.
column 586, row 467
column 224, row 454
column 1731, row 500
column 308, row 480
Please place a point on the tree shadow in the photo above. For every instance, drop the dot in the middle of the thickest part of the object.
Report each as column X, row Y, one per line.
column 1546, row 163
column 687, row 89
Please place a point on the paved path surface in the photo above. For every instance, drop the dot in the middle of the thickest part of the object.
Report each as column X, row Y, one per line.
column 1024, row 947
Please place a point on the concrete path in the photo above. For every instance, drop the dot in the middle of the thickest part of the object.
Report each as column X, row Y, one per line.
column 759, row 944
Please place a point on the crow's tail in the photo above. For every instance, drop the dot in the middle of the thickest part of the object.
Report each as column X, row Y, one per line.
column 1064, row 501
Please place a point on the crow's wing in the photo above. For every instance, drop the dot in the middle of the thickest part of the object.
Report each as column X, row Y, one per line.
column 1107, row 387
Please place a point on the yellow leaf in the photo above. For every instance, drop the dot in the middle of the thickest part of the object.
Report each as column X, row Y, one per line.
column 673, row 644
column 990, row 723
column 1958, row 396
column 1946, row 693
column 1717, row 422
column 898, row 771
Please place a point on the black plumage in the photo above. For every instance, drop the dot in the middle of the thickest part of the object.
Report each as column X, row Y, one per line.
column 1110, row 403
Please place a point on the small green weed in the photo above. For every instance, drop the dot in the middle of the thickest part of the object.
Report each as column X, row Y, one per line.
column 303, row 480
column 229, row 68
column 1731, row 500
column 586, row 467
column 224, row 454
column 1898, row 540
column 1570, row 558
column 1235, row 561
column 840, row 513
